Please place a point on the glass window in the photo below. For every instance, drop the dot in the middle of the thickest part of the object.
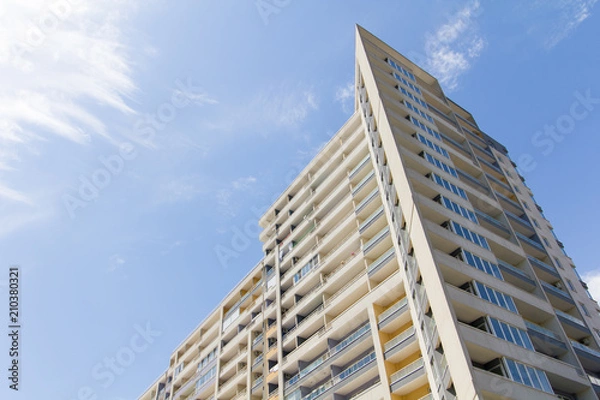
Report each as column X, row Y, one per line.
column 449, row 186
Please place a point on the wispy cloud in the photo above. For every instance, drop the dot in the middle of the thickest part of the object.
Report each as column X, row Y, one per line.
column 593, row 281
column 275, row 108
column 228, row 198
column 58, row 60
column 115, row 262
column 555, row 20
column 13, row 195
column 180, row 190
column 345, row 96
column 451, row 50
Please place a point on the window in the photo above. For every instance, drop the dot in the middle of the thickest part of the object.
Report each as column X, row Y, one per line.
column 493, row 296
column 526, row 205
column 460, row 210
column 449, row 186
column 431, row 145
column 400, row 68
column 546, row 242
column 418, row 111
column 570, row 284
column 427, row 129
column 444, row 167
column 528, row 376
column 309, row 266
column 407, row 83
column 584, row 309
column 206, row 377
column 517, row 189
column 536, row 223
column 558, row 264
column 481, row 264
column 469, row 235
column 510, row 333
column 413, row 97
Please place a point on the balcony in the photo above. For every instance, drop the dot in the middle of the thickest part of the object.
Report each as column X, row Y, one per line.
column 499, row 226
column 558, row 293
column 352, row 371
column 360, row 166
column 532, row 244
column 381, row 261
column 406, row 375
column 545, row 341
column 572, row 321
column 474, row 182
column 362, row 183
column 586, row 351
column 369, row 198
column 381, row 235
column 370, row 219
column 543, row 266
column 516, row 272
column 392, row 312
column 398, row 343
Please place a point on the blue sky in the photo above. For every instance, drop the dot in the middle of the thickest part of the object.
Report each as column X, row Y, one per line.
column 190, row 117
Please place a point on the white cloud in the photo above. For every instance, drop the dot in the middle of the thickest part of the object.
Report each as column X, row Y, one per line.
column 453, row 47
column 59, row 59
column 593, row 281
column 557, row 19
column 114, row 262
column 243, row 183
column 228, row 198
column 345, row 96
column 180, row 190
column 13, row 195
column 273, row 109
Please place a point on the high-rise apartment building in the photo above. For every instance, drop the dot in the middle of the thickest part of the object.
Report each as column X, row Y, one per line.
column 408, row 260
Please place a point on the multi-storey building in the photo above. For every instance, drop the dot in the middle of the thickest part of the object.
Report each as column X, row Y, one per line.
column 408, row 260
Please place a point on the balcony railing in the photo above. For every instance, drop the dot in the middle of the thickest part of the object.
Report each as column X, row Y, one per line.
column 515, row 271
column 557, row 292
column 359, row 166
column 376, row 239
column 571, row 318
column 402, row 337
column 385, row 258
column 362, row 183
column 367, row 200
column 544, row 331
column 491, row 220
column 469, row 178
column 509, row 201
column 370, row 219
column 588, row 350
column 397, row 306
column 530, row 241
column 407, row 371
column 542, row 265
